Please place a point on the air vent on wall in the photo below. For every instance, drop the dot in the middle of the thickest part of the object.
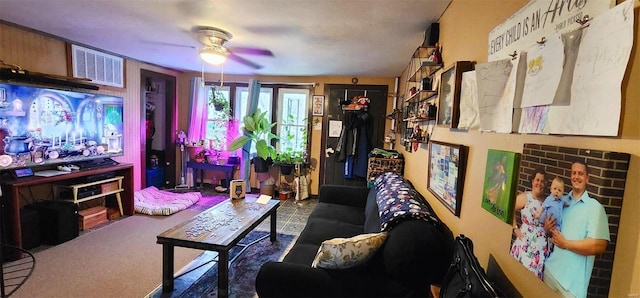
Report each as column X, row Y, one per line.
column 101, row 68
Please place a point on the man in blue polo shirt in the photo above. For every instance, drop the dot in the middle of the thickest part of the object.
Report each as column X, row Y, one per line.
column 584, row 234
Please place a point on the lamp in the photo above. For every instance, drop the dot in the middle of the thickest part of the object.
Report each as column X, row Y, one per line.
column 214, row 54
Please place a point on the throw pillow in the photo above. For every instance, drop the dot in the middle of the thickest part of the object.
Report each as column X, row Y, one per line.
column 342, row 253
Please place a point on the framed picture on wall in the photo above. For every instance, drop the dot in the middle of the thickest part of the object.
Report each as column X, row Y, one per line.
column 447, row 164
column 500, row 179
column 318, row 105
column 449, row 95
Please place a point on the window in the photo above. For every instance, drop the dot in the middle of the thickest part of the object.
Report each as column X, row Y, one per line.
column 218, row 115
column 291, row 115
column 292, row 120
column 264, row 104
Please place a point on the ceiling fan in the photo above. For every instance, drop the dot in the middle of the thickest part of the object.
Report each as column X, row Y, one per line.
column 215, row 52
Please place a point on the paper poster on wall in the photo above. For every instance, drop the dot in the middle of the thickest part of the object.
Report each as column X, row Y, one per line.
column 600, row 66
column 571, row 41
column 496, row 91
column 537, row 19
column 335, row 128
column 469, row 118
column 544, row 68
column 534, row 119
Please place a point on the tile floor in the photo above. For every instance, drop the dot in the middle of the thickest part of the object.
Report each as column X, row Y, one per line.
column 291, row 216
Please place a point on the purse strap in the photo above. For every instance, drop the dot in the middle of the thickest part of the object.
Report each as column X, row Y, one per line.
column 464, row 244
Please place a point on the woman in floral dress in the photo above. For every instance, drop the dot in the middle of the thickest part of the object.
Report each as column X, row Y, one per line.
column 530, row 245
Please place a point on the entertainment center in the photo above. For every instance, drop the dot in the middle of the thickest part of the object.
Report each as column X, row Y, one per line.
column 11, row 197
column 60, row 139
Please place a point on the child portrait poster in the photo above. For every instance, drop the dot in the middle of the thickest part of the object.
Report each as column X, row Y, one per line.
column 318, row 105
column 500, row 179
column 607, row 178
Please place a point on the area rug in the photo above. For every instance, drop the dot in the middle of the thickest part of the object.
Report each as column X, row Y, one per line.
column 242, row 273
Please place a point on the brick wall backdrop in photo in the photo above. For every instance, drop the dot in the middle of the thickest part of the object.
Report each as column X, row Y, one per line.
column 607, row 178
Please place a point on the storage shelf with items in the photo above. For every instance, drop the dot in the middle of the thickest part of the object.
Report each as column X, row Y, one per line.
column 386, row 161
column 82, row 192
column 420, row 106
column 425, row 62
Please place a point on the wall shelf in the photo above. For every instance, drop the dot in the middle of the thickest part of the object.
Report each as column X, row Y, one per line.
column 426, row 68
column 419, row 119
column 422, row 95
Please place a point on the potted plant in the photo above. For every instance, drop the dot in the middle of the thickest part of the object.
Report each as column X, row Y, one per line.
column 287, row 160
column 220, row 103
column 257, row 130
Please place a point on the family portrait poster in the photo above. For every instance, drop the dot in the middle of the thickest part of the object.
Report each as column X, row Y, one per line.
column 499, row 183
column 607, row 179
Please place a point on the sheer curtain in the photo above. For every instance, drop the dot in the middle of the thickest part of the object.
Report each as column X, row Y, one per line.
column 198, row 115
column 252, row 105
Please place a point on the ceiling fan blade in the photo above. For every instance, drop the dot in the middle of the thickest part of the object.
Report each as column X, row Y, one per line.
column 251, row 51
column 243, row 61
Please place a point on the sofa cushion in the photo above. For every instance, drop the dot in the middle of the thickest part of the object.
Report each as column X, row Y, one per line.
column 314, row 233
column 341, row 253
column 371, row 215
column 345, row 214
column 417, row 252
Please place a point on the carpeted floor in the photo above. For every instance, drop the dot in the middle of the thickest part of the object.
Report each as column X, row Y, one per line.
column 121, row 258
column 203, row 282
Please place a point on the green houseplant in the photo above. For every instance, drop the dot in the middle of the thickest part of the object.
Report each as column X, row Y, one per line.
column 257, row 128
column 287, row 160
column 220, row 103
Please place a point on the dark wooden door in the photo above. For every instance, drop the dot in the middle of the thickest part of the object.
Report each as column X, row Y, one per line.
column 167, row 157
column 332, row 170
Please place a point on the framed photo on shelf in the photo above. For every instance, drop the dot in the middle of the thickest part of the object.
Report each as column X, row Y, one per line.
column 318, row 105
column 447, row 164
column 500, row 179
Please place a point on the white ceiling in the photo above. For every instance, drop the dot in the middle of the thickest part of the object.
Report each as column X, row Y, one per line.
column 306, row 37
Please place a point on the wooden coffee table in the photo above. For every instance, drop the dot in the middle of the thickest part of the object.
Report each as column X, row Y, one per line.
column 219, row 229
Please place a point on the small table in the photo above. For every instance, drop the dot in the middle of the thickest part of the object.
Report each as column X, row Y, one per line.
column 107, row 189
column 203, row 166
column 219, row 229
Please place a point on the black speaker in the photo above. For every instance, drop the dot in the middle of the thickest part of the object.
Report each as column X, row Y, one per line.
column 58, row 221
column 30, row 226
column 431, row 35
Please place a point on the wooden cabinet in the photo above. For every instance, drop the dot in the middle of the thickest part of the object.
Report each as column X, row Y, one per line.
column 449, row 93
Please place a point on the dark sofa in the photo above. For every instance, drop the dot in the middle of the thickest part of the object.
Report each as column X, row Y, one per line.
column 415, row 255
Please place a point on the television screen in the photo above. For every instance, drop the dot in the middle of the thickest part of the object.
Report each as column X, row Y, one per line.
column 41, row 126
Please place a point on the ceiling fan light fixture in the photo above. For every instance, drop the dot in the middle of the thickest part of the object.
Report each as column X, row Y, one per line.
column 214, row 55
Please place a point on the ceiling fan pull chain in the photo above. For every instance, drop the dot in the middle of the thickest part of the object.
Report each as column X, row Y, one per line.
column 202, row 74
column 221, row 75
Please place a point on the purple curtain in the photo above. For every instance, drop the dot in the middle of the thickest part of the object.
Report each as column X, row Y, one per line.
column 198, row 116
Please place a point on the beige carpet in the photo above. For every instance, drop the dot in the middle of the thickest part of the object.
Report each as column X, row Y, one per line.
column 121, row 259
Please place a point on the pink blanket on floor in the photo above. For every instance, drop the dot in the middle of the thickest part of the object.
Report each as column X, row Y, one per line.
column 154, row 201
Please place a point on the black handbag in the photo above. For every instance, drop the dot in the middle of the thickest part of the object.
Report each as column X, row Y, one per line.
column 466, row 278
